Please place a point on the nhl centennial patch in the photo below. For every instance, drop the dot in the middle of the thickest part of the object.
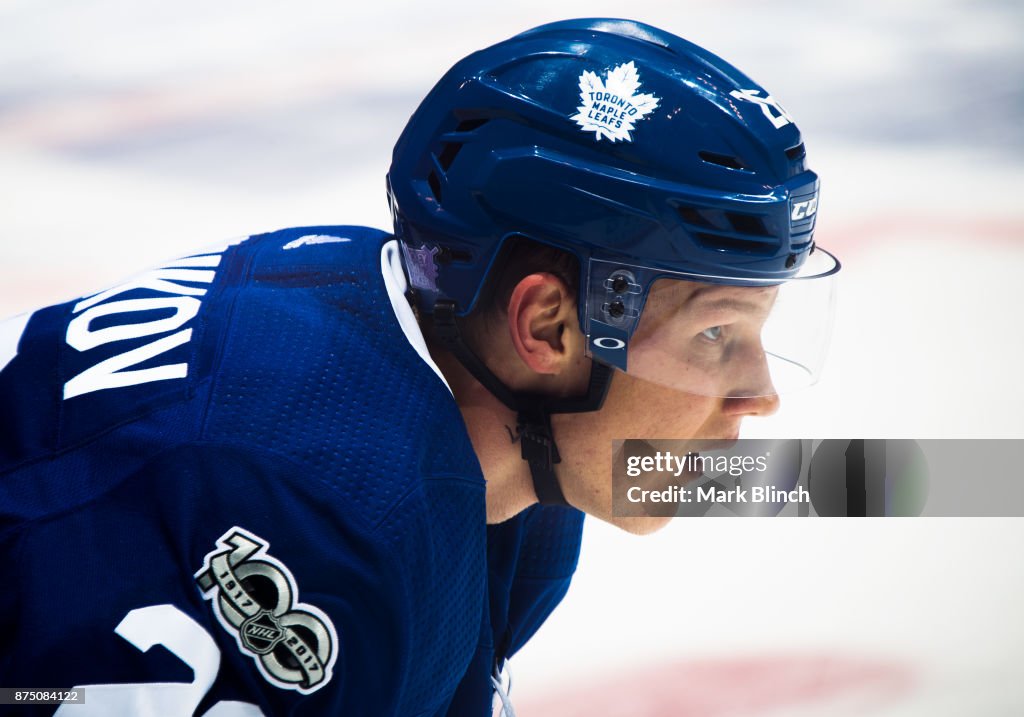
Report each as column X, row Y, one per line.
column 255, row 598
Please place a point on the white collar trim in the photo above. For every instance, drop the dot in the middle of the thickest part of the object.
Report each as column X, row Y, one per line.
column 395, row 281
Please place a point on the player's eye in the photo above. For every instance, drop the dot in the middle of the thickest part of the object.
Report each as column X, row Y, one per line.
column 712, row 334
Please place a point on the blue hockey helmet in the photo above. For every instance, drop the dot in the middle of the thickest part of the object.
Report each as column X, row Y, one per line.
column 680, row 185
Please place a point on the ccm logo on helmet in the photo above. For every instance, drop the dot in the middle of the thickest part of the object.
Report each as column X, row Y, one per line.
column 804, row 210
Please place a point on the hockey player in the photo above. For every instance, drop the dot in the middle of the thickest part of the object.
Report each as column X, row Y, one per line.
column 287, row 476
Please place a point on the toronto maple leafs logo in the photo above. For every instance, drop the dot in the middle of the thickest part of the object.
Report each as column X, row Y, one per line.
column 610, row 108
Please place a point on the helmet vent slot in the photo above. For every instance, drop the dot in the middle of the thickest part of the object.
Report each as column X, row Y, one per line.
column 731, row 243
column 447, row 255
column 747, row 224
column 448, row 154
column 722, row 160
column 435, row 185
column 716, row 222
column 468, row 125
column 694, row 217
column 797, row 152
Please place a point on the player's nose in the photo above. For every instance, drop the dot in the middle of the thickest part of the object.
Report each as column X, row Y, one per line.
column 764, row 405
column 753, row 392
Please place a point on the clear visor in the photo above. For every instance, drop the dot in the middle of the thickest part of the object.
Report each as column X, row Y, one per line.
column 701, row 335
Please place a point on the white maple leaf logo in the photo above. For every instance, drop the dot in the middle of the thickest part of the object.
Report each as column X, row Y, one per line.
column 610, row 108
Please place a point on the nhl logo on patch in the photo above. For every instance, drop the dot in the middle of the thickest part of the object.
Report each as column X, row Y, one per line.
column 611, row 107
column 255, row 598
column 261, row 632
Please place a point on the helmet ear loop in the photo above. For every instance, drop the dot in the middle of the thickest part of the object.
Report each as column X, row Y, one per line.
column 533, row 411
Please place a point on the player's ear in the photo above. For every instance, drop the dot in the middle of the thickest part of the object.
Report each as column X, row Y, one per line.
column 542, row 322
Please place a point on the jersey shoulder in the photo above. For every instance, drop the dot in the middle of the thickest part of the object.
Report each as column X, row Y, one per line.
column 320, row 367
column 287, row 341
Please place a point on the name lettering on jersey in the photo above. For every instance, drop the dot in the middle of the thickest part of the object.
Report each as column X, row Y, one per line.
column 769, row 107
column 293, row 644
column 96, row 324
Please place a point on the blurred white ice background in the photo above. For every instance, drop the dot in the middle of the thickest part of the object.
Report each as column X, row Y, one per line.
column 133, row 132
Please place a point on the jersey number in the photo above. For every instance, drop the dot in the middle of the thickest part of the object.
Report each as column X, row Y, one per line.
column 168, row 626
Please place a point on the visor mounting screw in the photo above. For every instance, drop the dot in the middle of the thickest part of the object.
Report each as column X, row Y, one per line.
column 616, row 309
column 791, row 261
column 619, row 284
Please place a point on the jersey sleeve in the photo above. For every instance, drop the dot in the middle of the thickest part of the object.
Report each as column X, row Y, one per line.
column 214, row 575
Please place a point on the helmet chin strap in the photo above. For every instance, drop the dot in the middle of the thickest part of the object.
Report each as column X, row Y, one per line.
column 533, row 411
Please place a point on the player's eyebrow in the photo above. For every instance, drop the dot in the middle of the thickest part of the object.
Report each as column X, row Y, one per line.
column 707, row 301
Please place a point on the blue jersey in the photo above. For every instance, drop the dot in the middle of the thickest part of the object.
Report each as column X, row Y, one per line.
column 237, row 485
